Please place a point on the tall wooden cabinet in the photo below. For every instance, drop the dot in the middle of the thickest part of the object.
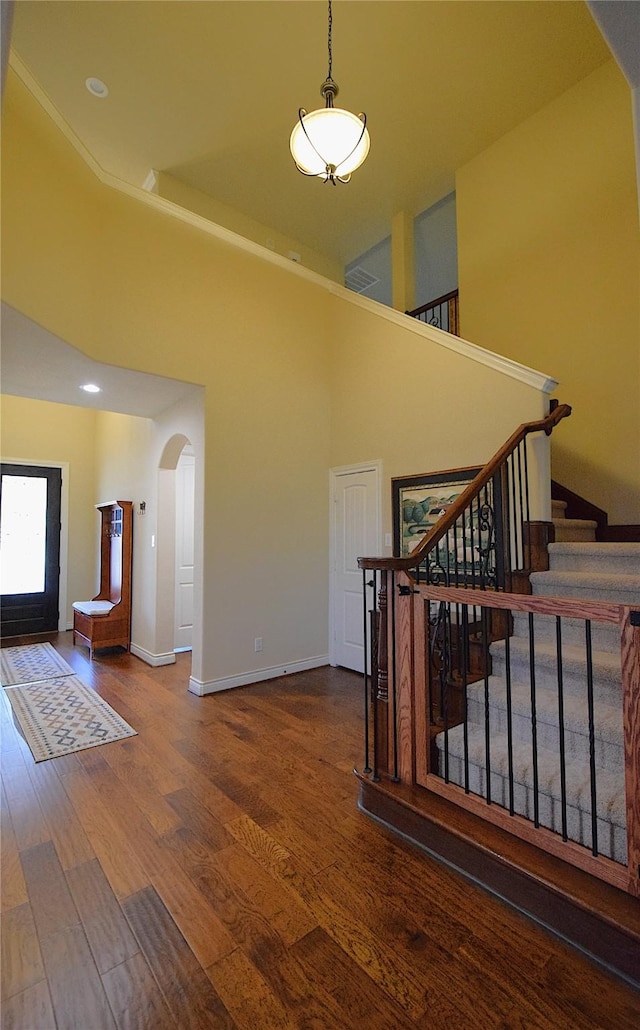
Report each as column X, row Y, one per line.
column 105, row 621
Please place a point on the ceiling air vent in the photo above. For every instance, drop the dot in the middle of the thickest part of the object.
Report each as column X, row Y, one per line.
column 359, row 280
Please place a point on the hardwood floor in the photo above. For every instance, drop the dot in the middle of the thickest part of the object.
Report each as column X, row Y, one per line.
column 214, row 871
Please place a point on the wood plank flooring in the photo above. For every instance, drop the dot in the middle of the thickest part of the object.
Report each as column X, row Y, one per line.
column 214, row 872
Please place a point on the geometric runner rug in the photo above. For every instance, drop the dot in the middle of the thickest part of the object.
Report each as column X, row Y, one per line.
column 58, row 716
column 30, row 662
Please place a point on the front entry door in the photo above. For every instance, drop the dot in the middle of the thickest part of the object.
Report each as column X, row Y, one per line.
column 356, row 534
column 29, row 549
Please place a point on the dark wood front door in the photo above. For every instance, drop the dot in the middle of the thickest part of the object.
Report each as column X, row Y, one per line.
column 29, row 549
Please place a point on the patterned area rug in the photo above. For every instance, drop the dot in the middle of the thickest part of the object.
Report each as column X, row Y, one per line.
column 58, row 716
column 30, row 662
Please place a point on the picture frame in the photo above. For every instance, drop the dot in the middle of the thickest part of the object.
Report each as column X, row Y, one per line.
column 418, row 501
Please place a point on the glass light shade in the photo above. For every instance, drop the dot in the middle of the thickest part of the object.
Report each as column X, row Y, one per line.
column 333, row 136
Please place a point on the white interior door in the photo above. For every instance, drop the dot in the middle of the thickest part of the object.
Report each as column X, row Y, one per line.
column 356, row 533
column 185, row 496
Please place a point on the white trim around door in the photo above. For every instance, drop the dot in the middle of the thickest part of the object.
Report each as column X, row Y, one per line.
column 356, row 531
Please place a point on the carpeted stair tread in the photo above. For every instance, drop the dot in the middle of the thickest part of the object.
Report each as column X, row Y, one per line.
column 605, row 636
column 616, row 558
column 606, row 669
column 606, row 548
column 608, row 728
column 610, row 793
column 619, row 588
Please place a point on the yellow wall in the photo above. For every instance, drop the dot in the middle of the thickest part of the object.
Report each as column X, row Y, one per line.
column 164, row 297
column 549, row 261
column 38, row 431
column 179, row 193
column 125, row 471
column 398, row 398
column 299, row 375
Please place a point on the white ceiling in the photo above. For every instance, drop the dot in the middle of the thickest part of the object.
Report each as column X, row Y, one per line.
column 37, row 364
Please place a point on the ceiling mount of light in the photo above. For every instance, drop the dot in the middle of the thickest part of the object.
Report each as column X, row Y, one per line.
column 329, row 143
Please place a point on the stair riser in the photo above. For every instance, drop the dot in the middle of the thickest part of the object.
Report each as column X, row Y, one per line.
column 605, row 636
column 590, row 592
column 611, row 835
column 572, row 533
column 624, row 563
column 610, row 786
column 558, row 509
column 607, row 687
column 609, row 753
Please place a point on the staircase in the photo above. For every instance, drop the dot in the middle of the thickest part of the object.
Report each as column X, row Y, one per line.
column 579, row 568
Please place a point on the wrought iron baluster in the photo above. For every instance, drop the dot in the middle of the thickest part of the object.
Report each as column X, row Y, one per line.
column 487, row 726
column 483, row 584
column 563, row 761
column 592, row 742
column 526, row 497
column 514, row 511
column 437, row 575
column 507, row 655
column 444, row 684
column 467, row 550
column 487, row 548
column 507, row 505
column 455, row 553
column 465, row 675
column 534, row 723
column 520, row 515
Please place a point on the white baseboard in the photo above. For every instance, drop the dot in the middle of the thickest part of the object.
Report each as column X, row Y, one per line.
column 152, row 659
column 257, row 676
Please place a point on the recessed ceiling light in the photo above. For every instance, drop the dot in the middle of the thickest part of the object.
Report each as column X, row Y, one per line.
column 97, row 87
column 91, row 388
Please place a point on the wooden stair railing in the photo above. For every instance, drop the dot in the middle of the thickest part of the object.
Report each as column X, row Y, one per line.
column 581, row 886
column 422, row 668
column 442, row 310
column 472, row 491
column 377, row 628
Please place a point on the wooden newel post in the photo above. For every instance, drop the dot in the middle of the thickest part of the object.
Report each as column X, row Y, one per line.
column 631, row 722
column 383, row 643
column 380, row 692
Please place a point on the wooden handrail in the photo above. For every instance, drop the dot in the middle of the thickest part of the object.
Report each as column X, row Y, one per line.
column 446, row 521
column 432, row 304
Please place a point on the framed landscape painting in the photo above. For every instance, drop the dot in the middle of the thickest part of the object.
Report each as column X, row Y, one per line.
column 420, row 500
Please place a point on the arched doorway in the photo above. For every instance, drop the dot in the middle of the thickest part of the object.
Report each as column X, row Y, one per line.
column 176, row 551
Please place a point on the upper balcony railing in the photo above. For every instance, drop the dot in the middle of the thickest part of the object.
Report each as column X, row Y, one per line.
column 443, row 312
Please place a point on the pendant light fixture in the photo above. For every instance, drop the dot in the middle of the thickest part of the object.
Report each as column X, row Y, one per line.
column 329, row 143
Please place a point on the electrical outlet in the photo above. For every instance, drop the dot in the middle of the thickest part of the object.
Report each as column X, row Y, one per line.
column 257, row 644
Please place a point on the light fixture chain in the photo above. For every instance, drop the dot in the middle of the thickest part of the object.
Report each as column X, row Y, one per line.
column 329, row 48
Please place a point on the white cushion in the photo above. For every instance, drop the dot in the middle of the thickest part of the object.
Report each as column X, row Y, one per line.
column 93, row 607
